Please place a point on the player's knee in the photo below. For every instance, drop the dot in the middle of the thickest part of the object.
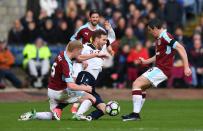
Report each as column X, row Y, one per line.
column 102, row 107
column 93, row 99
column 136, row 85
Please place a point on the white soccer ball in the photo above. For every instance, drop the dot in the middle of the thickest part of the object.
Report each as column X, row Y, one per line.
column 112, row 108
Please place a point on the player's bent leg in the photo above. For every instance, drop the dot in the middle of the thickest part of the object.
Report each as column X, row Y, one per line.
column 44, row 115
column 141, row 83
column 74, row 108
column 36, row 115
column 96, row 114
column 28, row 115
column 86, row 102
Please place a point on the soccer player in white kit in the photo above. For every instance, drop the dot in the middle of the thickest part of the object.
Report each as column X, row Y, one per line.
column 84, row 34
column 89, row 75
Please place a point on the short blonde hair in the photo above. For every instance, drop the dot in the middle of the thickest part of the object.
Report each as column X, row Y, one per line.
column 72, row 45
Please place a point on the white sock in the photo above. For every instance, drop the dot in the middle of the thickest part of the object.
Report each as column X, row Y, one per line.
column 137, row 100
column 44, row 115
column 84, row 107
column 142, row 103
column 143, row 98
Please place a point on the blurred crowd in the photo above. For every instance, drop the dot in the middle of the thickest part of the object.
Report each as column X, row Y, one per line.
column 52, row 22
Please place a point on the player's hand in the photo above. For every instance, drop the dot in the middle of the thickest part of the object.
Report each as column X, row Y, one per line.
column 84, row 64
column 137, row 62
column 187, row 71
column 88, row 88
column 112, row 53
column 142, row 61
column 107, row 25
column 102, row 55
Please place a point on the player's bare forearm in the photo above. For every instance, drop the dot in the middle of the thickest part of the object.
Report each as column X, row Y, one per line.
column 148, row 61
column 151, row 60
column 84, row 57
column 76, row 87
column 183, row 54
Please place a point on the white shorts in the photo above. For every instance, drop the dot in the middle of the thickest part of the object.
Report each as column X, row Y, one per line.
column 155, row 76
column 77, row 68
column 63, row 96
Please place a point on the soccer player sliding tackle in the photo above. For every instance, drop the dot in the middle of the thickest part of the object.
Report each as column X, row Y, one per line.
column 166, row 46
column 61, row 88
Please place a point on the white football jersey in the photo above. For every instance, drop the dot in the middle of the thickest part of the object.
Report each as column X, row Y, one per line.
column 94, row 64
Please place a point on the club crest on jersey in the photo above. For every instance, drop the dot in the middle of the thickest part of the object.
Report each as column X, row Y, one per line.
column 86, row 33
column 157, row 53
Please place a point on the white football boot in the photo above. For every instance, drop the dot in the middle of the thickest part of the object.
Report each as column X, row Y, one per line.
column 82, row 117
column 28, row 115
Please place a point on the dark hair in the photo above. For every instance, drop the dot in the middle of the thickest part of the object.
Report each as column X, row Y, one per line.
column 155, row 23
column 97, row 34
column 94, row 11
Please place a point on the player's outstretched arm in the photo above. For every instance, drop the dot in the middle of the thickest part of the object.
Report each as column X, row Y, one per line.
column 76, row 87
column 183, row 54
column 147, row 61
column 84, row 57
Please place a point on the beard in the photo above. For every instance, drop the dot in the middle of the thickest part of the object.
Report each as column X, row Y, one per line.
column 94, row 23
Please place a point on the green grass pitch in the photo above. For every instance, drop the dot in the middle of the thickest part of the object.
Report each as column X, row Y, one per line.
column 157, row 115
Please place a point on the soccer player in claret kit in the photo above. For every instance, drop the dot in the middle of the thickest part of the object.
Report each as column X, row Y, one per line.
column 166, row 46
column 62, row 89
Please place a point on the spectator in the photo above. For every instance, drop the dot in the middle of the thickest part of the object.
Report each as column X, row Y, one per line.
column 131, row 8
column 135, row 68
column 96, row 4
column 116, row 15
column 78, row 24
column 201, row 26
column 36, row 61
column 6, row 61
column 82, row 7
column 29, row 17
column 129, row 38
column 196, row 37
column 173, row 13
column 64, row 33
column 15, row 35
column 160, row 11
column 71, row 13
column 120, row 29
column 49, row 32
column 195, row 57
column 120, row 67
column 31, row 33
column 140, row 31
column 49, row 6
column 58, row 17
column 42, row 18
column 150, row 47
column 118, row 5
column 181, row 38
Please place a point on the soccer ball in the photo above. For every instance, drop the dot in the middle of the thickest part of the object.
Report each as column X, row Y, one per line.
column 112, row 108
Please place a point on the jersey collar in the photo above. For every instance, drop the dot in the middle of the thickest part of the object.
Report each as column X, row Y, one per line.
column 88, row 25
column 67, row 58
column 92, row 46
column 162, row 33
